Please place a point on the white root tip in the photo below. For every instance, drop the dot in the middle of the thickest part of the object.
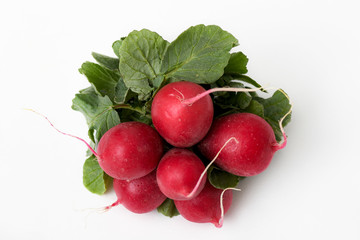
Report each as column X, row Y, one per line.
column 90, row 211
column 221, row 220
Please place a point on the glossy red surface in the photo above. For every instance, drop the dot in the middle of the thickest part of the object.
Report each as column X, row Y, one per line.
column 180, row 124
column 129, row 150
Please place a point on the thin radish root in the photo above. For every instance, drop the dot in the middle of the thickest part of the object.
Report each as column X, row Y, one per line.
column 93, row 210
column 99, row 210
column 67, row 134
column 90, row 211
column 190, row 101
column 221, row 220
column 284, row 141
column 107, row 208
column 190, row 195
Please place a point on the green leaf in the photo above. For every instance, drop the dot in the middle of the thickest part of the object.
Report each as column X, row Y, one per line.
column 275, row 108
column 105, row 61
column 158, row 81
column 94, row 178
column 122, row 92
column 222, row 179
column 199, row 54
column 141, row 54
column 168, row 208
column 134, row 113
column 102, row 79
column 136, row 116
column 116, row 46
column 98, row 111
column 256, row 108
column 237, row 64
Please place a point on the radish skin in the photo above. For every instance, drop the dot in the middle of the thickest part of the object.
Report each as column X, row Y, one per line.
column 255, row 149
column 140, row 195
column 179, row 174
column 252, row 153
column 205, row 208
column 129, row 150
column 182, row 125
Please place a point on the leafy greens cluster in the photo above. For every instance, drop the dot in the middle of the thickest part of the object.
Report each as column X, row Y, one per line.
column 122, row 88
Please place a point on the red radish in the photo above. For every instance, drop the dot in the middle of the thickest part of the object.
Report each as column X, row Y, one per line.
column 206, row 206
column 178, row 173
column 255, row 147
column 182, row 125
column 129, row 150
column 140, row 195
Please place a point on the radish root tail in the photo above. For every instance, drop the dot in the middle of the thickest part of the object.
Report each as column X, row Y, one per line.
column 107, row 208
column 67, row 134
column 190, row 195
column 190, row 101
column 221, row 220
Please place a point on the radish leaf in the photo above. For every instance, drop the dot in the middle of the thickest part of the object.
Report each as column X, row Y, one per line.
column 141, row 54
column 94, row 178
column 275, row 108
column 105, row 61
column 199, row 54
column 116, row 46
column 168, row 208
column 237, row 64
column 98, row 111
column 103, row 79
column 222, row 179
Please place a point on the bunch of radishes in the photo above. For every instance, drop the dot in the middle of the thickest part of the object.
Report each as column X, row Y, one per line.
column 174, row 125
column 144, row 176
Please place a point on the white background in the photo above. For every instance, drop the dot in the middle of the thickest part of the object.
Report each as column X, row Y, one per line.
column 311, row 49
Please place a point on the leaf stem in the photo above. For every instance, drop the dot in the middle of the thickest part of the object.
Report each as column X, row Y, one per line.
column 129, row 107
